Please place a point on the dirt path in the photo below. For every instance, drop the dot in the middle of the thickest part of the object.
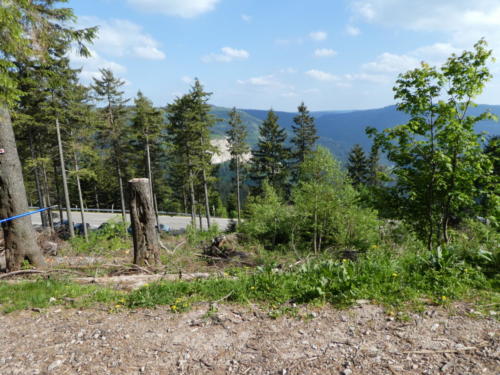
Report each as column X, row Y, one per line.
column 238, row 340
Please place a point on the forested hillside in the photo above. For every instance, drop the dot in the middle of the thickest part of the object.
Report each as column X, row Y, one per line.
column 339, row 131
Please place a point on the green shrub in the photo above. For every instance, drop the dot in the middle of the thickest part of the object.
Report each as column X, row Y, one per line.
column 112, row 236
column 196, row 236
column 268, row 220
column 324, row 212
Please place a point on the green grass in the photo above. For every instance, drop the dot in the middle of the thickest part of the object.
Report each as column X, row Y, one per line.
column 46, row 293
column 378, row 276
column 397, row 279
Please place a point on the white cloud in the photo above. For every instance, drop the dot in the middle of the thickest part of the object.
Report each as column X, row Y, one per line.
column 228, row 54
column 90, row 66
column 352, row 30
column 391, row 63
column 387, row 63
column 322, row 76
column 373, row 78
column 268, row 80
column 318, row 35
column 119, row 38
column 464, row 21
column 246, row 18
column 324, row 52
column 178, row 8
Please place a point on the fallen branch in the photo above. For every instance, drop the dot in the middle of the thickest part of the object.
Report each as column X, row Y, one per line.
column 142, row 269
column 164, row 247
column 178, row 245
column 426, row 351
column 21, row 272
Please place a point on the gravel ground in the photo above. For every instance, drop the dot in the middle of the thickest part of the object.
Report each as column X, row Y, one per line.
column 243, row 340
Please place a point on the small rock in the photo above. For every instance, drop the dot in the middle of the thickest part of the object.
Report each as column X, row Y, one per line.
column 52, row 299
column 446, row 366
column 55, row 365
column 347, row 371
column 434, row 327
column 362, row 301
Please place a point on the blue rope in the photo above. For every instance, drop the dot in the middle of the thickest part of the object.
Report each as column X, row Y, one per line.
column 25, row 214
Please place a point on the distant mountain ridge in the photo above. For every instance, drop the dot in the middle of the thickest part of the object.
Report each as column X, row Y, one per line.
column 340, row 130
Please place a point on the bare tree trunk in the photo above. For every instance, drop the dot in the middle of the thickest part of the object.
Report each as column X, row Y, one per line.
column 80, row 197
column 200, row 218
column 207, row 204
column 122, row 193
column 41, row 203
column 46, row 197
column 96, row 197
column 20, row 241
column 65, row 181
column 184, row 196
column 193, row 200
column 150, row 176
column 146, row 244
column 58, row 192
column 238, row 198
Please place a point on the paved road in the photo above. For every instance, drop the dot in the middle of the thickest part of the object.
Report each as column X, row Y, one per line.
column 174, row 222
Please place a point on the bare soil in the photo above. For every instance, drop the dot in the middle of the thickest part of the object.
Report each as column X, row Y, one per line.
column 245, row 340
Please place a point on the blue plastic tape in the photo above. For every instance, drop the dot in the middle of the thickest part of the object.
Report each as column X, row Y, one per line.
column 25, row 214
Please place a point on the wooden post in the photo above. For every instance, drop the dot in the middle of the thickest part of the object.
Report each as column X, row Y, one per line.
column 142, row 216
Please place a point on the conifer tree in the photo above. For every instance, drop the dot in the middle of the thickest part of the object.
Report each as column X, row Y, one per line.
column 27, row 31
column 113, row 131
column 357, row 166
column 189, row 131
column 270, row 157
column 147, row 123
column 304, row 133
column 236, row 137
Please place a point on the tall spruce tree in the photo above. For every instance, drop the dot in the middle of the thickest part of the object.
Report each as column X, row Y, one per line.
column 357, row 165
column 305, row 136
column 236, row 137
column 270, row 157
column 113, row 132
column 27, row 31
column 189, row 131
column 203, row 122
column 147, row 124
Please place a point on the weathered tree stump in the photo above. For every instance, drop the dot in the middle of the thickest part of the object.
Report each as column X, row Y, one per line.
column 142, row 216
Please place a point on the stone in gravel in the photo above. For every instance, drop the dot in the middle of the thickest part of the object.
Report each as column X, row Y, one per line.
column 55, row 365
column 347, row 371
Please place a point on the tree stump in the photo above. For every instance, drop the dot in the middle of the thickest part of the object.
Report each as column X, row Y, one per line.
column 142, row 216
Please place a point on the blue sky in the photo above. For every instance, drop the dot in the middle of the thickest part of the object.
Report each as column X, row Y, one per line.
column 331, row 54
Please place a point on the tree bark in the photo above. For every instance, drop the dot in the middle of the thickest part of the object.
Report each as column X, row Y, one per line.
column 46, row 195
column 65, row 181
column 146, row 244
column 58, row 192
column 238, row 198
column 193, row 200
column 122, row 193
column 80, row 197
column 150, row 176
column 20, row 241
column 207, row 204
column 41, row 203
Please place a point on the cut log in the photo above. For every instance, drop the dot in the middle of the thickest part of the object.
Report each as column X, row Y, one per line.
column 142, row 216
